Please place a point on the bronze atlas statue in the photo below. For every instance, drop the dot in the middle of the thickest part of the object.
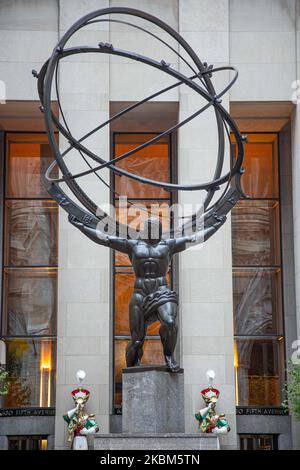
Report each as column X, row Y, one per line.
column 151, row 252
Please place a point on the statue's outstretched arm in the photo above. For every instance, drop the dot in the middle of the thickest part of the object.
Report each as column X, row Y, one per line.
column 120, row 244
column 182, row 243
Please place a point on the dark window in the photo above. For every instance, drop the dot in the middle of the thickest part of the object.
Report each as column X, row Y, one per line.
column 27, row 443
column 153, row 161
column 257, row 277
column 259, row 371
column 30, row 301
column 31, row 366
column 30, row 236
column 258, row 441
column 29, row 273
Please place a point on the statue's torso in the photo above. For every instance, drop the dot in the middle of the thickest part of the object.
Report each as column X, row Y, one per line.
column 150, row 261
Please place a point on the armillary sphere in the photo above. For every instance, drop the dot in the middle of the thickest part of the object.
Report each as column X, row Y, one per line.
column 199, row 80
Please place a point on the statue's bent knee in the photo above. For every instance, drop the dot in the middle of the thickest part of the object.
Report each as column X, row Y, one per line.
column 170, row 322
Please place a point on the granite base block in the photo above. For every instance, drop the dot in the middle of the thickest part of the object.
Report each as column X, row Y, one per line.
column 153, row 400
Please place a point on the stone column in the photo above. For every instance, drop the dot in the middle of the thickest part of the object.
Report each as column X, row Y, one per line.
column 83, row 281
column 296, row 174
column 296, row 196
column 205, row 271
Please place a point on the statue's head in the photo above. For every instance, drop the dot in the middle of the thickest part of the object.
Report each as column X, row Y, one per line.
column 152, row 231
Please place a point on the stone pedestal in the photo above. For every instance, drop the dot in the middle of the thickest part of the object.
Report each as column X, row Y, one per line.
column 153, row 414
column 153, row 400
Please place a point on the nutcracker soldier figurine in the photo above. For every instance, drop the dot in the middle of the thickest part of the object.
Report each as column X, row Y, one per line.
column 209, row 420
column 80, row 423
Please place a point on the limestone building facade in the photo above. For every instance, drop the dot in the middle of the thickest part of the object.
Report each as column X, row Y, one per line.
column 239, row 311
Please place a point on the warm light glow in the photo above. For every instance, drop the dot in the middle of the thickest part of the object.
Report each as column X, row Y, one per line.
column 236, row 365
column 235, row 356
column 45, row 371
column 45, row 362
column 44, row 444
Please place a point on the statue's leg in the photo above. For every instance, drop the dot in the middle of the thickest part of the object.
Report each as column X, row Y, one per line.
column 167, row 315
column 134, row 350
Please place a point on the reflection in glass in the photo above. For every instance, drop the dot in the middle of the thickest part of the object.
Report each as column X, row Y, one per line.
column 153, row 354
column 259, row 371
column 135, row 214
column 258, row 442
column 30, row 301
column 27, row 442
column 257, row 289
column 261, row 166
column 153, row 162
column 31, row 368
column 31, row 233
column 150, row 162
column 121, row 259
column 257, row 301
column 124, row 282
column 256, row 233
column 28, row 157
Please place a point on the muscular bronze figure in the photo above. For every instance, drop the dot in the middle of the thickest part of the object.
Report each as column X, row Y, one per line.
column 152, row 298
column 150, row 256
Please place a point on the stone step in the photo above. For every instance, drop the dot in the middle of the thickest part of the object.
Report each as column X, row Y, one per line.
column 138, row 441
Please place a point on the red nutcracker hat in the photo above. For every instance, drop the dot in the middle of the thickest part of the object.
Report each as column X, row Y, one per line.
column 210, row 394
column 80, row 395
